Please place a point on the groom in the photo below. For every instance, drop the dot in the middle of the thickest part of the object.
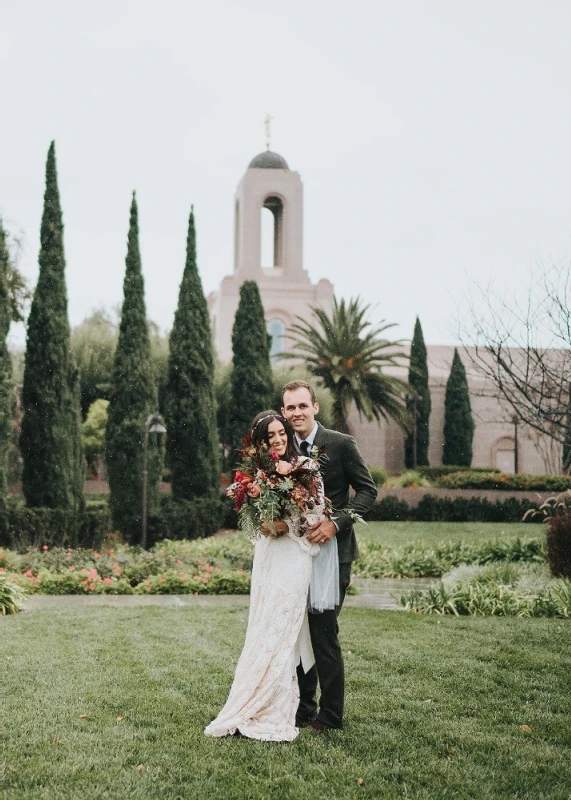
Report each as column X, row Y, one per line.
column 343, row 467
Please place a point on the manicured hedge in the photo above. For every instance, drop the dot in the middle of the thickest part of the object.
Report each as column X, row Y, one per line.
column 493, row 480
column 36, row 527
column 39, row 527
column 446, row 509
column 187, row 519
column 434, row 473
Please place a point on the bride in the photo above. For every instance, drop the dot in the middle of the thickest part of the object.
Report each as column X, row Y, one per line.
column 264, row 696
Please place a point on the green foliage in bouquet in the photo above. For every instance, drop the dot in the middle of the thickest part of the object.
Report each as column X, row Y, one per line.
column 267, row 489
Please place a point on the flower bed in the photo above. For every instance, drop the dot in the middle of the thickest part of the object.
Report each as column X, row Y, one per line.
column 222, row 565
column 209, row 566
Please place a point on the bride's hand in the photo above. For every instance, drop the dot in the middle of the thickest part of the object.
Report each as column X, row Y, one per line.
column 279, row 525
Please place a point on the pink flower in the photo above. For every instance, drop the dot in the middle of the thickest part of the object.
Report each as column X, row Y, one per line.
column 178, row 561
column 253, row 490
column 29, row 573
column 274, row 457
column 1, row 569
column 283, row 467
column 106, row 581
column 45, row 547
column 71, row 569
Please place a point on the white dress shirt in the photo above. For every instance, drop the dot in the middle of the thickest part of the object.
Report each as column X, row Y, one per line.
column 309, row 439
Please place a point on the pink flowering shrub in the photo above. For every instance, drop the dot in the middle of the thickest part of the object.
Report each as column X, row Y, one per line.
column 219, row 565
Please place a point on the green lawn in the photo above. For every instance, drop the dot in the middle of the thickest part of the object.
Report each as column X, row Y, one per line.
column 434, row 709
column 396, row 534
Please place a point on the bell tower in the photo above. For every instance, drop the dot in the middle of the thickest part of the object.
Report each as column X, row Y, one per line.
column 268, row 188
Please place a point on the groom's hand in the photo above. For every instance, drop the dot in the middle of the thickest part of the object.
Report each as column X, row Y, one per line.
column 321, row 532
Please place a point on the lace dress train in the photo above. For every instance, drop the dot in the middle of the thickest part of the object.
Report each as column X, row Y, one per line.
column 264, row 696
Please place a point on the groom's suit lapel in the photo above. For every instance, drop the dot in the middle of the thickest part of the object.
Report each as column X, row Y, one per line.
column 320, row 442
column 320, row 436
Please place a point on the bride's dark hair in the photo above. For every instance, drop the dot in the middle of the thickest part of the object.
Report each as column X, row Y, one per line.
column 259, row 432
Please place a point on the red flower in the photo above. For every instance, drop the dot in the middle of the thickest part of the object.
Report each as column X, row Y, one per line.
column 274, row 457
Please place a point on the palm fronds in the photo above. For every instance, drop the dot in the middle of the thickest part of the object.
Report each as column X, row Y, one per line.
column 348, row 355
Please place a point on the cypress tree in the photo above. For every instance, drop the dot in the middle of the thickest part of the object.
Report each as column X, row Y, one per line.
column 5, row 379
column 418, row 380
column 458, row 421
column 251, row 382
column 133, row 398
column 190, row 404
column 50, row 439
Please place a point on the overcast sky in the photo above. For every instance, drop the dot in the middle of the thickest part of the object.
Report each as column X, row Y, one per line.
column 433, row 140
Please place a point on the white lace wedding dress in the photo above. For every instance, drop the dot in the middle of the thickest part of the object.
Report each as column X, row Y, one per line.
column 264, row 696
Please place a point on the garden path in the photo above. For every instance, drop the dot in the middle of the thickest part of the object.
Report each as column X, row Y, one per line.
column 372, row 593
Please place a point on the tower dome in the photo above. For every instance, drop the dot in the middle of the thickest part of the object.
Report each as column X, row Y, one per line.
column 268, row 160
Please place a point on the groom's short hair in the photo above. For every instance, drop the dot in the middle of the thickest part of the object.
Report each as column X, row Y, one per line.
column 293, row 385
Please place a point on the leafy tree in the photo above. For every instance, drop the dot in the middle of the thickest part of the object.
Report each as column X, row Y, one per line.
column 50, row 440
column 190, row 403
column 419, row 402
column 93, row 344
column 5, row 379
column 458, row 421
column 133, row 398
column 348, row 356
column 93, row 431
column 251, row 382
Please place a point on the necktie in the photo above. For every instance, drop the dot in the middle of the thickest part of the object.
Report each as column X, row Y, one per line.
column 304, row 447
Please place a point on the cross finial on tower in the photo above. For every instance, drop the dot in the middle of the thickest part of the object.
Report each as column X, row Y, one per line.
column 267, row 123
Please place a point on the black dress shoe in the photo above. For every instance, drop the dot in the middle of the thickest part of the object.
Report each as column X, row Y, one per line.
column 301, row 722
column 318, row 727
column 239, row 734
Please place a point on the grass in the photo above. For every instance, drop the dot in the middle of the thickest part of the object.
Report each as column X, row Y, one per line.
column 421, row 534
column 434, row 709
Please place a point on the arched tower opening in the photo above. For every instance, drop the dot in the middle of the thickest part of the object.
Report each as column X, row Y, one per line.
column 272, row 223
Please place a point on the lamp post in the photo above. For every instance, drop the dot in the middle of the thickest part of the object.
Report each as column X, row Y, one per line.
column 154, row 424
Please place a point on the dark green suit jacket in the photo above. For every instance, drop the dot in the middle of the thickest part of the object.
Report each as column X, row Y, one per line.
column 342, row 468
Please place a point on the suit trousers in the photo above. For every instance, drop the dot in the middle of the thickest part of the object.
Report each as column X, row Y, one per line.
column 328, row 668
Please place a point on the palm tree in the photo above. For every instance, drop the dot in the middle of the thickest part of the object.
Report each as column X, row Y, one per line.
column 348, row 356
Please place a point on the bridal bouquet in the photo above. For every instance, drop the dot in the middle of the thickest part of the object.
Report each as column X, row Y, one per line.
column 267, row 489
